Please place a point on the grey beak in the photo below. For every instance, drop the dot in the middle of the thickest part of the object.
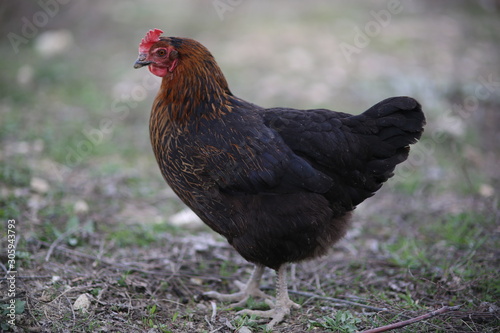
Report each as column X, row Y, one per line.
column 141, row 61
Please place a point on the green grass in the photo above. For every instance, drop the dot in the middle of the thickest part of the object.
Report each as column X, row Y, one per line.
column 151, row 321
column 5, row 310
column 227, row 268
column 141, row 234
column 407, row 252
column 12, row 206
column 247, row 321
column 463, row 230
column 341, row 322
column 14, row 173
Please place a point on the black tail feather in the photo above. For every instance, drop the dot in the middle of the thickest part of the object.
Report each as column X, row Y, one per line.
column 403, row 113
column 388, row 128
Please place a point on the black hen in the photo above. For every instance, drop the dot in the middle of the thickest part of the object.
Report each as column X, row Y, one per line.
column 279, row 184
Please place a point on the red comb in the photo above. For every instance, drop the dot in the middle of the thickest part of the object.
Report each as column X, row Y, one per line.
column 151, row 37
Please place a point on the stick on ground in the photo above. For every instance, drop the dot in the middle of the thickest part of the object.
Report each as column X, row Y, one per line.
column 400, row 324
column 338, row 300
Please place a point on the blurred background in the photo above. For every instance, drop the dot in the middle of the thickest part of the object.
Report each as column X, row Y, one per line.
column 67, row 72
column 74, row 113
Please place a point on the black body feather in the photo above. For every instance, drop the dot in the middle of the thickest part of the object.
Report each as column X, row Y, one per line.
column 278, row 183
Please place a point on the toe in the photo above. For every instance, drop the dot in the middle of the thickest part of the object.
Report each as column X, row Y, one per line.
column 276, row 314
column 269, row 302
column 240, row 285
column 240, row 303
column 294, row 305
column 258, row 313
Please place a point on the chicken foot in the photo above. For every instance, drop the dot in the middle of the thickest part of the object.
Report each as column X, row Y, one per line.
column 246, row 290
column 281, row 307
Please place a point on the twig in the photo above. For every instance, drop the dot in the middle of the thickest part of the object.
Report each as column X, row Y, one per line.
column 217, row 329
column 73, row 289
column 129, row 302
column 214, row 311
column 210, row 326
column 72, row 310
column 60, row 239
column 400, row 324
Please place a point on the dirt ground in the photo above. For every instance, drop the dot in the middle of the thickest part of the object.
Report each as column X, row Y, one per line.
column 157, row 286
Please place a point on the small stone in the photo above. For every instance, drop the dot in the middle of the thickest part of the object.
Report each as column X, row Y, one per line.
column 201, row 306
column 82, row 303
column 81, row 207
column 244, row 329
column 39, row 185
column 196, row 281
column 486, row 190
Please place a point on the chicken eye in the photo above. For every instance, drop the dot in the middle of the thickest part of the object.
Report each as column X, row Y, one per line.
column 161, row 53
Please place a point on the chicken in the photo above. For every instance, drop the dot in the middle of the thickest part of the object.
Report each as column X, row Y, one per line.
column 278, row 183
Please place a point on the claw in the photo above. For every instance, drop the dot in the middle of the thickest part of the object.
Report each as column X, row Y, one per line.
column 241, row 286
column 281, row 308
column 278, row 312
column 246, row 290
column 240, row 297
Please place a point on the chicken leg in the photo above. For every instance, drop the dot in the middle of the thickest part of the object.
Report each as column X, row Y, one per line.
column 246, row 290
column 283, row 303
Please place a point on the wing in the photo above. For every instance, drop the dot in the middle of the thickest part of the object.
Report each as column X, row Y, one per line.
column 243, row 156
column 358, row 153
